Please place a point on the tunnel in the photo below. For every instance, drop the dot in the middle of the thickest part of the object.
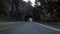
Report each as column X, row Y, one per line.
column 28, row 18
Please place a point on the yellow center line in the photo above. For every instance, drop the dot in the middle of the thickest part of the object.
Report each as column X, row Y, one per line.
column 8, row 26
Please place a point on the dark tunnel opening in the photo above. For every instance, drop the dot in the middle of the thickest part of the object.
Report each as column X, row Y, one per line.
column 28, row 18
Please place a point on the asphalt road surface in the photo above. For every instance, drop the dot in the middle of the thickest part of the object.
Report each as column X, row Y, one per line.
column 30, row 28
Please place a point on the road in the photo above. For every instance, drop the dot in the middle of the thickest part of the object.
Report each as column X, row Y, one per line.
column 30, row 28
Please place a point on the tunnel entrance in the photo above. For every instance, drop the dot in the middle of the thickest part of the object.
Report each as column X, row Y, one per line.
column 28, row 18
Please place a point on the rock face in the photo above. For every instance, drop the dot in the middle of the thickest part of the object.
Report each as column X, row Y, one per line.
column 15, row 10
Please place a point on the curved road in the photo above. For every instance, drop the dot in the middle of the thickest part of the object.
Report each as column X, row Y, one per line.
column 30, row 28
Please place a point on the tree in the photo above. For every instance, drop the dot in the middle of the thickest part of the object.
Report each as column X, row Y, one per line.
column 47, row 8
column 29, row 2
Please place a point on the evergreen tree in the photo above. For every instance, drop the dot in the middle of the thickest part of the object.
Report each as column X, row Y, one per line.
column 29, row 2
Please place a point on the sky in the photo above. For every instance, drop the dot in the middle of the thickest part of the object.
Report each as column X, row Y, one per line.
column 32, row 1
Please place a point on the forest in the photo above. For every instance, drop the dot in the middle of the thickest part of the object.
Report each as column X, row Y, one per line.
column 48, row 11
column 43, row 10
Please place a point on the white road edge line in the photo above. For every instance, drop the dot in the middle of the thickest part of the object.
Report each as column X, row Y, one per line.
column 49, row 27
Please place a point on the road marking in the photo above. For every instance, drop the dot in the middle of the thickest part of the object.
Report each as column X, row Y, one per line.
column 8, row 26
column 49, row 27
